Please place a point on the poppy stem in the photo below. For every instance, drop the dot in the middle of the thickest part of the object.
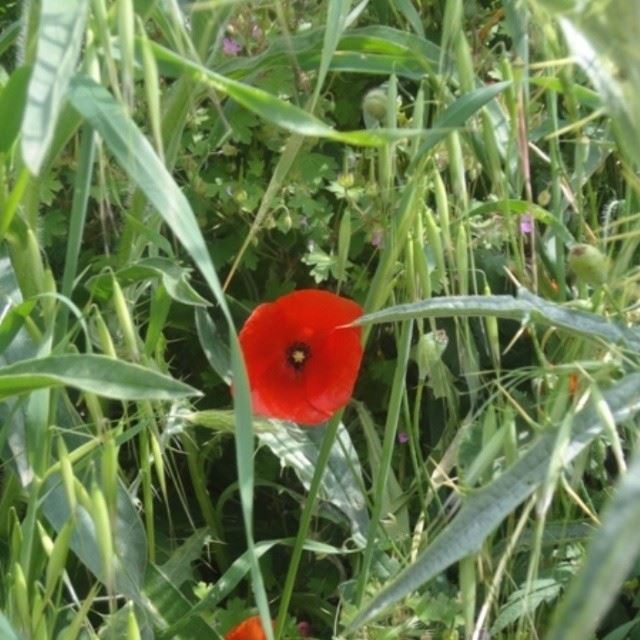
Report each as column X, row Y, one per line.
column 305, row 520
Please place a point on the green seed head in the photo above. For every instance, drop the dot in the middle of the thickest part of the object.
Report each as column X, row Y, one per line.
column 374, row 106
column 588, row 264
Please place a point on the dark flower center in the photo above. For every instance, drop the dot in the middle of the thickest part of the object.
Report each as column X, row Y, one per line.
column 297, row 355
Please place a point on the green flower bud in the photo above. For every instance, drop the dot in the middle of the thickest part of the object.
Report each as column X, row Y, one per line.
column 588, row 264
column 374, row 107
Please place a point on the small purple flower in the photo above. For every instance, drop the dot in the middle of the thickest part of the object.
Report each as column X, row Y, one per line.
column 230, row 47
column 526, row 223
column 403, row 437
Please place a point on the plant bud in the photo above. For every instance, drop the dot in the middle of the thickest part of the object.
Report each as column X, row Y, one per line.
column 374, row 107
column 588, row 264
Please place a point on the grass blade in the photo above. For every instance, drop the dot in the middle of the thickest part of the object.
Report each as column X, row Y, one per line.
column 137, row 157
column 608, row 560
column 456, row 115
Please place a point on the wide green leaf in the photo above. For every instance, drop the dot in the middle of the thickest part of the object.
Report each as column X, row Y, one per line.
column 97, row 374
column 484, row 510
column 526, row 306
column 341, row 483
column 60, row 37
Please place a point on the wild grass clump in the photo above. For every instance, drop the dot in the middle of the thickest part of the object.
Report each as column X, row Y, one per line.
column 462, row 177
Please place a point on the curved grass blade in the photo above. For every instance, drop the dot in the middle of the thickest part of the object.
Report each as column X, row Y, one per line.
column 59, row 40
column 609, row 558
column 272, row 109
column 489, row 506
column 174, row 277
column 367, row 43
column 137, row 157
column 525, row 306
column 97, row 374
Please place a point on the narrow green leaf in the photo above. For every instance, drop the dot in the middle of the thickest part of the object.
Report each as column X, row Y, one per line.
column 175, row 279
column 60, row 36
column 484, row 510
column 337, row 12
column 12, row 102
column 275, row 110
column 93, row 373
column 9, row 36
column 608, row 559
column 77, row 219
column 525, row 306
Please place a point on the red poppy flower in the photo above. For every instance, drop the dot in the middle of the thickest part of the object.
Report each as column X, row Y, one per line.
column 249, row 629
column 301, row 359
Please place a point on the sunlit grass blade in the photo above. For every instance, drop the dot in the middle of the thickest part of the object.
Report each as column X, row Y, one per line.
column 137, row 157
column 60, row 38
column 523, row 307
column 273, row 109
column 484, row 510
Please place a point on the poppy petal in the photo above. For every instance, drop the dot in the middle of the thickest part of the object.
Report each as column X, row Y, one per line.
column 278, row 397
column 329, row 382
column 249, row 629
column 321, row 311
column 263, row 338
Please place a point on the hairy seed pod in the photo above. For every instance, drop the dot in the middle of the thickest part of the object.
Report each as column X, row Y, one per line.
column 588, row 264
column 374, row 107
